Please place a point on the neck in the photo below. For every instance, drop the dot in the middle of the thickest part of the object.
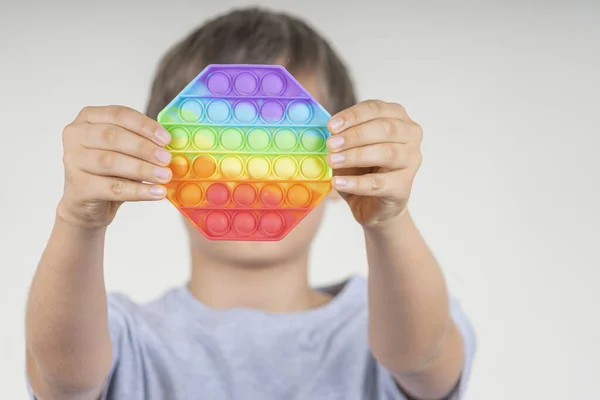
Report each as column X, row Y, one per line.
column 278, row 288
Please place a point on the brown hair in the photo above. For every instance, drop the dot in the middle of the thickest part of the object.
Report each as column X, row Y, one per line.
column 252, row 36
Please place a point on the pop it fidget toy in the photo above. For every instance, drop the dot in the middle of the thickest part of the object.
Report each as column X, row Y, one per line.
column 249, row 154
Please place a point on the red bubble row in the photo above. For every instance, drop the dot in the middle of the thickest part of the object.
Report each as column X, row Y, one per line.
column 244, row 223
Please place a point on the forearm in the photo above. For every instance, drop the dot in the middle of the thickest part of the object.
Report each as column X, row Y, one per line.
column 409, row 316
column 376, row 153
column 68, row 342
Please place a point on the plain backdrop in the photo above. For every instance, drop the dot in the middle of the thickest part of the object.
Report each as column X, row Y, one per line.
column 507, row 197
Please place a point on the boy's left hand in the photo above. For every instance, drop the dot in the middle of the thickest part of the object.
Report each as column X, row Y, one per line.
column 375, row 152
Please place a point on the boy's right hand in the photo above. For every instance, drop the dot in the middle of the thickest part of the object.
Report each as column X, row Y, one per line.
column 108, row 153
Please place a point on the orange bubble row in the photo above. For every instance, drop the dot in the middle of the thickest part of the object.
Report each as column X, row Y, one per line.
column 245, row 195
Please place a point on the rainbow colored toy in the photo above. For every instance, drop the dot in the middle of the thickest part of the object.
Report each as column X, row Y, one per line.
column 249, row 154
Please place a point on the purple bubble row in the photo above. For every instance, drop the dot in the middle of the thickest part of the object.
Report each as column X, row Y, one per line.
column 246, row 83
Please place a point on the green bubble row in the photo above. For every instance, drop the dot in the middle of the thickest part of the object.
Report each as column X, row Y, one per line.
column 256, row 139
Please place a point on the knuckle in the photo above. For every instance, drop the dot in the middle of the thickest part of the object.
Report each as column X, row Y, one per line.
column 360, row 135
column 67, row 159
column 84, row 112
column 388, row 128
column 68, row 129
column 418, row 129
column 398, row 108
column 418, row 159
column 73, row 130
column 351, row 115
column 377, row 183
column 117, row 188
column 67, row 133
column 71, row 181
column 374, row 106
column 116, row 113
column 389, row 153
column 106, row 161
column 109, row 135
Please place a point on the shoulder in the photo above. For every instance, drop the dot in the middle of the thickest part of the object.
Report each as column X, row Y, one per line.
column 166, row 299
column 352, row 289
column 349, row 297
column 126, row 312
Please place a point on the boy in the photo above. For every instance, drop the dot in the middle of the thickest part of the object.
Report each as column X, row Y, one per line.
column 247, row 326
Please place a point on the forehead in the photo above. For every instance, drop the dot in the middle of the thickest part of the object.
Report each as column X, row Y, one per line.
column 310, row 80
column 311, row 83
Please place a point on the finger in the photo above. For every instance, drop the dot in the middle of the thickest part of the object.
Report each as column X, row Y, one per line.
column 119, row 189
column 129, row 119
column 110, row 163
column 383, row 130
column 387, row 184
column 117, row 139
column 385, row 155
column 362, row 112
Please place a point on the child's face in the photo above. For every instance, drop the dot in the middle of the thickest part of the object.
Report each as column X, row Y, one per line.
column 295, row 244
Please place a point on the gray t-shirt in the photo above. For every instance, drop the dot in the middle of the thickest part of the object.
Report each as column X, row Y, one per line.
column 176, row 348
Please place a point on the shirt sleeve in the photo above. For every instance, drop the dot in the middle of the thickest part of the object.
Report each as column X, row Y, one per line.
column 468, row 336
column 470, row 346
column 125, row 374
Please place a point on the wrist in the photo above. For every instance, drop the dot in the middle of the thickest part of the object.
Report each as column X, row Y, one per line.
column 64, row 218
column 394, row 225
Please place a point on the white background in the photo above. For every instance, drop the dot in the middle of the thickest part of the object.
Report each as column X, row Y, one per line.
column 507, row 197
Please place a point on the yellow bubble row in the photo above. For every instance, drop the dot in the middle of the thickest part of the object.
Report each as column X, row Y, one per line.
column 254, row 167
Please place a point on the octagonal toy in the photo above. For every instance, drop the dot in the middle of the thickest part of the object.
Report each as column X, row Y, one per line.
column 249, row 154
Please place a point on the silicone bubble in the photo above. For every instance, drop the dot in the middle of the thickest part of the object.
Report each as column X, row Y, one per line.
column 249, row 154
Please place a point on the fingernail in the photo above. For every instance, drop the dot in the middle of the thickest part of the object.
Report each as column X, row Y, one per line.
column 336, row 123
column 162, row 173
column 158, row 191
column 162, row 136
column 339, row 182
column 163, row 156
column 336, row 142
column 337, row 158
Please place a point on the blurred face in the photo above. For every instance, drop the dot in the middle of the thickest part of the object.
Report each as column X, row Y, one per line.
column 295, row 244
